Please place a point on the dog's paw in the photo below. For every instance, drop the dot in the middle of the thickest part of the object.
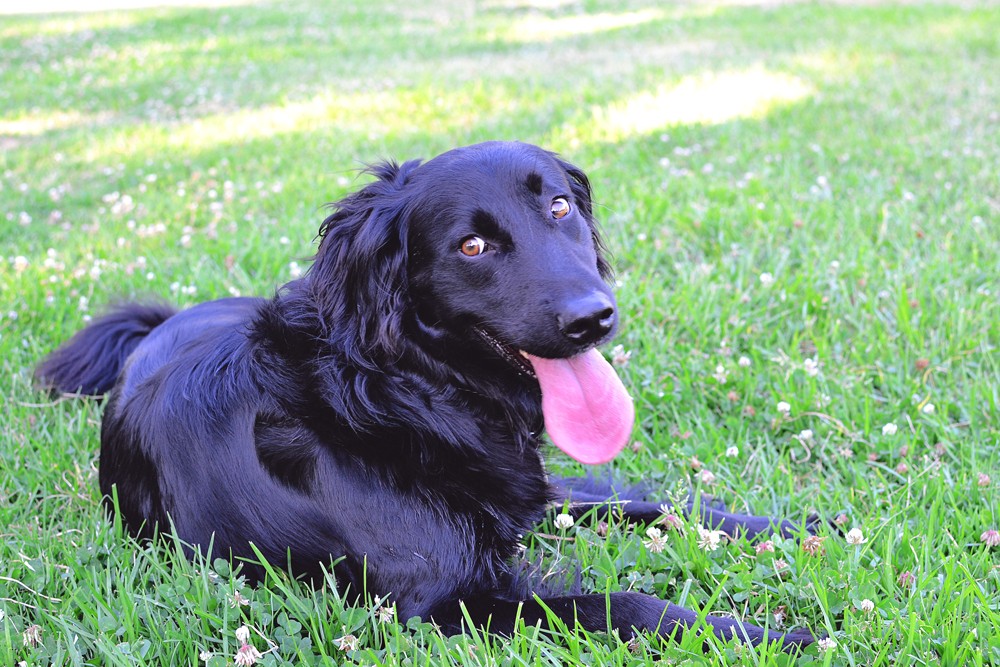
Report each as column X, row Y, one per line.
column 706, row 502
column 796, row 640
column 814, row 522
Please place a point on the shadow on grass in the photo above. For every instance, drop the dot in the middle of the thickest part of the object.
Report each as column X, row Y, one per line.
column 173, row 65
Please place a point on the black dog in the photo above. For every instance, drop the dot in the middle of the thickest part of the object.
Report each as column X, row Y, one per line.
column 387, row 407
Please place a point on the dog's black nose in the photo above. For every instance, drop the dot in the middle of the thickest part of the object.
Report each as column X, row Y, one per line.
column 587, row 319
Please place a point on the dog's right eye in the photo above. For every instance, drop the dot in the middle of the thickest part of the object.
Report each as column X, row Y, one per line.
column 473, row 246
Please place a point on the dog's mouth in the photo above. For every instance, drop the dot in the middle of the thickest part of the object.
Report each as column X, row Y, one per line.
column 588, row 413
column 508, row 353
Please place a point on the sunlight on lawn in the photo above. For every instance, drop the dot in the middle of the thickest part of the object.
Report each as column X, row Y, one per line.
column 520, row 5
column 547, row 29
column 78, row 6
column 361, row 114
column 37, row 123
column 707, row 99
column 267, row 121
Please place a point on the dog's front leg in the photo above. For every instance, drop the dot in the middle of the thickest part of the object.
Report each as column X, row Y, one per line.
column 751, row 526
column 581, row 495
column 585, row 495
column 623, row 613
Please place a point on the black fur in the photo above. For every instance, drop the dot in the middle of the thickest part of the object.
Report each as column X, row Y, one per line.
column 361, row 412
column 92, row 363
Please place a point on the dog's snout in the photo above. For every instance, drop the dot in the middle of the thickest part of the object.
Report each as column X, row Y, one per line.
column 587, row 319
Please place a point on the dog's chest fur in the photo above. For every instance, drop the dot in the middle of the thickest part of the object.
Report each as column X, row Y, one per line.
column 479, row 499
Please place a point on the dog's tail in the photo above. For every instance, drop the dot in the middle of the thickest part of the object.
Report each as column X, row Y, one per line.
column 89, row 363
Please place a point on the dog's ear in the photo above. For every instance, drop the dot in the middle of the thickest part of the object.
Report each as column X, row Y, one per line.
column 580, row 186
column 359, row 275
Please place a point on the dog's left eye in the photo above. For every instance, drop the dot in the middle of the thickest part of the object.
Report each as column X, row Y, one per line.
column 560, row 208
column 473, row 246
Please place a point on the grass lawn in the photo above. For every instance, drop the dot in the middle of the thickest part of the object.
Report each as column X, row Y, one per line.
column 803, row 203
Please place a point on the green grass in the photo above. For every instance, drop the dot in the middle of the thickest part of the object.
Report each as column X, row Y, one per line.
column 849, row 151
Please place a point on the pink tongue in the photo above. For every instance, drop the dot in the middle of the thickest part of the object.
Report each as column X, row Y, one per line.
column 588, row 413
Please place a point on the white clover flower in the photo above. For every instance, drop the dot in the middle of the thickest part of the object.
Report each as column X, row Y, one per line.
column 563, row 521
column 386, row 613
column 732, row 451
column 670, row 520
column 813, row 545
column 806, row 435
column 811, row 367
column 709, row 540
column 347, row 643
column 32, row 636
column 767, row 546
column 706, row 477
column 827, row 644
column 890, row 429
column 784, row 408
column 243, row 634
column 867, row 606
column 655, row 543
column 720, row 374
column 855, row 537
column 928, row 409
column 246, row 655
column 619, row 356
column 744, row 362
column 766, row 279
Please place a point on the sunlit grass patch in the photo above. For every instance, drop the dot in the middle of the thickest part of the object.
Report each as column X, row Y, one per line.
column 540, row 28
column 713, row 99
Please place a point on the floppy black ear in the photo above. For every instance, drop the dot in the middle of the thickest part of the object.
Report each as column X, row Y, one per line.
column 359, row 275
column 580, row 185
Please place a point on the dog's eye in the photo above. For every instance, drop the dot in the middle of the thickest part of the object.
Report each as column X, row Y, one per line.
column 473, row 246
column 560, row 208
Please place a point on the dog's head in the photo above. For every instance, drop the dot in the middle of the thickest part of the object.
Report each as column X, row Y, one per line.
column 488, row 254
column 503, row 245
